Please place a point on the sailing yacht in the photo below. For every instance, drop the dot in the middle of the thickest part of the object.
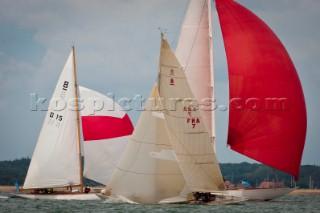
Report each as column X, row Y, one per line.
column 55, row 171
column 267, row 115
column 271, row 132
column 170, row 154
column 56, row 163
column 148, row 171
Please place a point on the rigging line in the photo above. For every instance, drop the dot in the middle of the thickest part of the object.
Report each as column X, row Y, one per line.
column 148, row 143
column 169, row 128
column 176, row 116
column 153, row 174
column 186, row 67
column 275, row 174
column 180, row 24
column 196, row 155
column 139, row 146
column 196, row 163
column 172, row 76
column 233, row 153
column 186, row 150
column 178, row 67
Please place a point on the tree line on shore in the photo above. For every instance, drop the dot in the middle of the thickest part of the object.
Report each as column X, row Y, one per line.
column 253, row 173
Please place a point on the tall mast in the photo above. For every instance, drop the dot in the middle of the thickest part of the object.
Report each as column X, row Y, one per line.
column 159, row 67
column 213, row 116
column 78, row 119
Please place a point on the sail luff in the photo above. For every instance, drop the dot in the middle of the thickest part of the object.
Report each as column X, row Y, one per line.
column 78, row 119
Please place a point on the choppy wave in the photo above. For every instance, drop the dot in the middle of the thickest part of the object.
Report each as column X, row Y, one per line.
column 3, row 197
column 118, row 199
column 285, row 204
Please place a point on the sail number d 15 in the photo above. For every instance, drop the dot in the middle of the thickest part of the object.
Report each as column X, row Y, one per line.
column 57, row 117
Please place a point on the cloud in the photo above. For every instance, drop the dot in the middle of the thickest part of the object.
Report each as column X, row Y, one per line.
column 12, row 74
column 117, row 49
column 111, row 27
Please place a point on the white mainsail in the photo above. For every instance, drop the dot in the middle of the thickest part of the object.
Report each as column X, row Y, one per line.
column 195, row 54
column 188, row 134
column 148, row 171
column 55, row 161
column 106, row 130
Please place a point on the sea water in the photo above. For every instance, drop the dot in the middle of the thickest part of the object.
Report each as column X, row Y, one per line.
column 286, row 203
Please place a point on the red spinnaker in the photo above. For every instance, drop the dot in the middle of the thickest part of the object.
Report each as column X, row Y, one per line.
column 105, row 127
column 267, row 118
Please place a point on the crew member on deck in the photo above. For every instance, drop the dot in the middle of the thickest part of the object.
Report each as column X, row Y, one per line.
column 87, row 189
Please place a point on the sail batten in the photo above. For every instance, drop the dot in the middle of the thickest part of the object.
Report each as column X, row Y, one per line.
column 267, row 117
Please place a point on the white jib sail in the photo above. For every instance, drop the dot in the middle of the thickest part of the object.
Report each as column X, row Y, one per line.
column 102, row 151
column 55, row 161
column 195, row 53
column 148, row 171
column 188, row 135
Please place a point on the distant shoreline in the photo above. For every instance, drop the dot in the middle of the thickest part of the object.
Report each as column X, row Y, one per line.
column 305, row 192
column 12, row 189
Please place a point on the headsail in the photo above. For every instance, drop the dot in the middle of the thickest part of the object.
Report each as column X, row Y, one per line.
column 106, row 131
column 55, row 161
column 267, row 120
column 147, row 171
column 188, row 134
column 195, row 54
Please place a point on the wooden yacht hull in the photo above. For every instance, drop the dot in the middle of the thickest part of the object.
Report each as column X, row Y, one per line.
column 262, row 194
column 90, row 196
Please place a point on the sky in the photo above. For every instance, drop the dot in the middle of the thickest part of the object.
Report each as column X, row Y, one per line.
column 117, row 50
